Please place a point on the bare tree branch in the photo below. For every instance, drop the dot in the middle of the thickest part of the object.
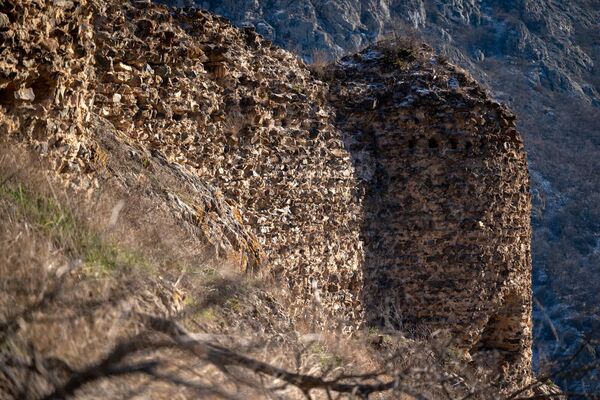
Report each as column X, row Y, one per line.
column 224, row 357
column 110, row 366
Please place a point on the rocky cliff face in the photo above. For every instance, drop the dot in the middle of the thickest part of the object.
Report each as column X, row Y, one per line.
column 385, row 192
column 547, row 34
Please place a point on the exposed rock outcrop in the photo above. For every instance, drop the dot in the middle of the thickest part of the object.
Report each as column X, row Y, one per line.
column 544, row 33
column 399, row 193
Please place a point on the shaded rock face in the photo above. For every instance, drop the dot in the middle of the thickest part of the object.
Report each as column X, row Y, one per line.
column 446, row 206
column 315, row 28
column 396, row 190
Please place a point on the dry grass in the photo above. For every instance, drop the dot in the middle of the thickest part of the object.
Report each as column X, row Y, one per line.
column 71, row 291
column 319, row 62
column 77, row 281
column 74, row 277
column 71, row 276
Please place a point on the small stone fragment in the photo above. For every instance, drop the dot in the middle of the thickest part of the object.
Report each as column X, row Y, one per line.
column 4, row 21
column 25, row 94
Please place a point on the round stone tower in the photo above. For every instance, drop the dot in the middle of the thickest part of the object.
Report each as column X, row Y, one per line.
column 445, row 187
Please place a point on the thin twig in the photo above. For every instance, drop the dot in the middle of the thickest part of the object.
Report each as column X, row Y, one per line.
column 221, row 356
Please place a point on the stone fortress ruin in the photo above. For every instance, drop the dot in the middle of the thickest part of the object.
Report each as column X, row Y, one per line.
column 392, row 184
column 446, row 204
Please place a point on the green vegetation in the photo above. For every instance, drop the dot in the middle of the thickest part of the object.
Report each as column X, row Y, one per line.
column 454, row 353
column 233, row 303
column 326, row 358
column 44, row 213
column 56, row 221
column 399, row 53
column 209, row 314
column 375, row 335
column 105, row 257
column 373, row 331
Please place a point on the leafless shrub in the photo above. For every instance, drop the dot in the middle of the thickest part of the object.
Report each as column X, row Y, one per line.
column 319, row 61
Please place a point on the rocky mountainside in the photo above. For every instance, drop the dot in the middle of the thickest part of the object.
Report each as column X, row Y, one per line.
column 372, row 196
column 541, row 58
column 556, row 38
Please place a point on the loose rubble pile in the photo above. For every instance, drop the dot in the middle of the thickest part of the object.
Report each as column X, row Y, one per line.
column 446, row 224
column 415, row 163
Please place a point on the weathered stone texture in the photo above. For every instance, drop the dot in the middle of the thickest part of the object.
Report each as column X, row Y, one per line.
column 49, row 72
column 45, row 68
column 446, row 225
column 243, row 116
column 247, row 118
column 403, row 171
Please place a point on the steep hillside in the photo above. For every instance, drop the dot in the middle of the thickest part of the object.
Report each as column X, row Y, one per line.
column 541, row 58
column 556, row 39
column 182, row 173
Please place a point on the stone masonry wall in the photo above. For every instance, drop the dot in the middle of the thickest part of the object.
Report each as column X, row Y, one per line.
column 248, row 118
column 48, row 102
column 446, row 201
column 186, row 88
column 45, row 69
column 396, row 189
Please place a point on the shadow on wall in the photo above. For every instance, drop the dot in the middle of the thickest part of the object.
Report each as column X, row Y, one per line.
column 446, row 228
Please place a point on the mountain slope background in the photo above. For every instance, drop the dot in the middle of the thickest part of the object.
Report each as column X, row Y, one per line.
column 540, row 57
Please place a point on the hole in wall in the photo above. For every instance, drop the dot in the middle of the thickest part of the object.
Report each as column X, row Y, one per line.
column 503, row 331
column 7, row 97
column 453, row 143
column 43, row 88
column 433, row 144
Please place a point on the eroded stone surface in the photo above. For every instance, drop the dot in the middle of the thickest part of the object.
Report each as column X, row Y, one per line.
column 446, row 225
column 402, row 171
column 188, row 88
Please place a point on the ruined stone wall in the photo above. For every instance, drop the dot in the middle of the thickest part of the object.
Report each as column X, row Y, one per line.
column 46, row 51
column 49, row 72
column 446, row 201
column 186, row 88
column 400, row 193
column 248, row 118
